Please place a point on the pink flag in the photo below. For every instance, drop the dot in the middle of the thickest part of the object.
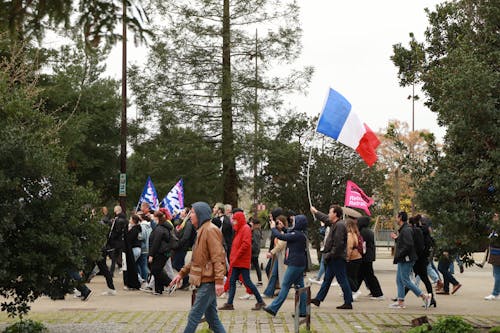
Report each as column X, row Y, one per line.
column 356, row 198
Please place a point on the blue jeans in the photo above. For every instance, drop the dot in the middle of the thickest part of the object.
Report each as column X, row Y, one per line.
column 205, row 304
column 271, row 285
column 80, row 286
column 245, row 274
column 321, row 269
column 293, row 275
column 403, row 280
column 335, row 268
column 142, row 266
column 496, row 275
column 444, row 269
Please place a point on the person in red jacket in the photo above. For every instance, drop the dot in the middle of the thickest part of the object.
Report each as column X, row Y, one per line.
column 239, row 261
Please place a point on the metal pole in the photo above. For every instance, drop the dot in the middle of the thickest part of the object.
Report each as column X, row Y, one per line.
column 123, row 127
column 256, row 120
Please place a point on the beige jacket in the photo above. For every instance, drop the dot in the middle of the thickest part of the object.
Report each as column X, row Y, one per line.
column 208, row 260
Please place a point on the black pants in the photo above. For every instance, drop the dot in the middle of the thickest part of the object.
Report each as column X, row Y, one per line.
column 367, row 274
column 352, row 268
column 420, row 269
column 161, row 277
column 116, row 259
column 255, row 263
column 103, row 268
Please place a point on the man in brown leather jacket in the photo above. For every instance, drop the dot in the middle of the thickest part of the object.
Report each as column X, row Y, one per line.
column 206, row 269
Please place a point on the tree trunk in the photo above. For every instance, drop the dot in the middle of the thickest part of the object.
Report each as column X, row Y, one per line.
column 230, row 179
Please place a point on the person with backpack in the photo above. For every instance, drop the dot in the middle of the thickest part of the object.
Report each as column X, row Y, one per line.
column 366, row 272
column 353, row 256
column 405, row 257
column 159, row 251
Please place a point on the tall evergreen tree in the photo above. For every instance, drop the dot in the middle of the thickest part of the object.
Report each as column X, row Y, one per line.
column 201, row 71
column 461, row 80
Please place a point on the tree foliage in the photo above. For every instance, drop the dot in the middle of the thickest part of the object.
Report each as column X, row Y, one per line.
column 461, row 80
column 44, row 228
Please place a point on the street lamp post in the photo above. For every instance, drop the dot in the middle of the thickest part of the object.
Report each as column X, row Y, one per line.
column 123, row 127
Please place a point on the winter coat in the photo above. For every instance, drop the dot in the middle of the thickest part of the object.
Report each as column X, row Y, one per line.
column 256, row 241
column 405, row 248
column 368, row 237
column 241, row 254
column 158, row 241
column 336, row 242
column 132, row 236
column 296, row 240
column 208, row 260
column 115, row 239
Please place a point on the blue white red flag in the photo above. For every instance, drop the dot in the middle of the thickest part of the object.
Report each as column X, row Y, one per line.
column 174, row 200
column 149, row 195
column 339, row 122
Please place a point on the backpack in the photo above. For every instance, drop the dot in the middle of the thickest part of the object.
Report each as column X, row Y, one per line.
column 418, row 242
column 173, row 241
column 361, row 245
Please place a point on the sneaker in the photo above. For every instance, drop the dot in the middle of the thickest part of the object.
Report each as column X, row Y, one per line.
column 226, row 306
column 397, row 305
column 266, row 296
column 334, row 284
column 300, row 315
column 271, row 312
column 157, row 294
column 224, row 295
column 427, row 301
column 315, row 281
column 259, row 306
column 492, row 297
column 247, row 297
column 109, row 292
column 345, row 307
column 147, row 289
column 86, row 296
column 356, row 295
column 379, row 298
column 455, row 288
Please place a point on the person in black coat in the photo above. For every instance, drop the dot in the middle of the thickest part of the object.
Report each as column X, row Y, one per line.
column 132, row 252
column 115, row 244
column 159, row 251
column 186, row 233
column 366, row 272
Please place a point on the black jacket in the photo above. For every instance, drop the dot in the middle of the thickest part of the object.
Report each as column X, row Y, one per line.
column 132, row 236
column 336, row 242
column 115, row 238
column 186, row 236
column 405, row 248
column 368, row 237
column 158, row 240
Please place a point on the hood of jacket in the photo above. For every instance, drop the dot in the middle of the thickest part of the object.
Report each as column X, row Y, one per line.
column 300, row 223
column 203, row 212
column 239, row 218
column 363, row 222
column 276, row 212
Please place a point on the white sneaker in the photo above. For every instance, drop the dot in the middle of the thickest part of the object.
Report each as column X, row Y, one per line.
column 380, row 298
column 334, row 284
column 247, row 296
column 356, row 295
column 492, row 297
column 224, row 295
column 397, row 305
column 109, row 292
column 315, row 281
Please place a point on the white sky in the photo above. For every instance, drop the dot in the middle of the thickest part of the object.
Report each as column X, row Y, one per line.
column 350, row 43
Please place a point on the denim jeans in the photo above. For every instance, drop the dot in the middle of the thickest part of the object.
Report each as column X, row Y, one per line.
column 403, row 280
column 496, row 275
column 444, row 269
column 80, row 286
column 321, row 269
column 294, row 275
column 204, row 304
column 335, row 268
column 245, row 274
column 142, row 266
column 271, row 285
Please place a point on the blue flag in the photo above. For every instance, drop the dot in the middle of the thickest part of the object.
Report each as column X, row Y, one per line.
column 174, row 200
column 149, row 195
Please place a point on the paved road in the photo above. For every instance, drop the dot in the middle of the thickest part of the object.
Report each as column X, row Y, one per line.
column 132, row 311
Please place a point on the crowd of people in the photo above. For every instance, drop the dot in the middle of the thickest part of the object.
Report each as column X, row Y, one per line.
column 150, row 248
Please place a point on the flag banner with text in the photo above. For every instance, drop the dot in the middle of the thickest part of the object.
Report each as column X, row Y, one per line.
column 149, row 195
column 356, row 198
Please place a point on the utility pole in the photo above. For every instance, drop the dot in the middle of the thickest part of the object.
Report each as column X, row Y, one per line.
column 123, row 128
column 256, row 128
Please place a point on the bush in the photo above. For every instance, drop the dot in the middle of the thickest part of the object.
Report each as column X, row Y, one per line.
column 420, row 329
column 494, row 329
column 452, row 324
column 26, row 326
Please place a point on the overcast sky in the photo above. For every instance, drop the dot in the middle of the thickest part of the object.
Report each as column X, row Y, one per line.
column 350, row 43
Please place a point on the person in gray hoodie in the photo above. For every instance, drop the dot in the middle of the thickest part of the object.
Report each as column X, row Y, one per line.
column 206, row 270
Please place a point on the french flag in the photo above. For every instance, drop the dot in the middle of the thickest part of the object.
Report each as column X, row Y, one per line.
column 339, row 122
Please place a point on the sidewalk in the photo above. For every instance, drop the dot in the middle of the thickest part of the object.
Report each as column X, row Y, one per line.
column 136, row 311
